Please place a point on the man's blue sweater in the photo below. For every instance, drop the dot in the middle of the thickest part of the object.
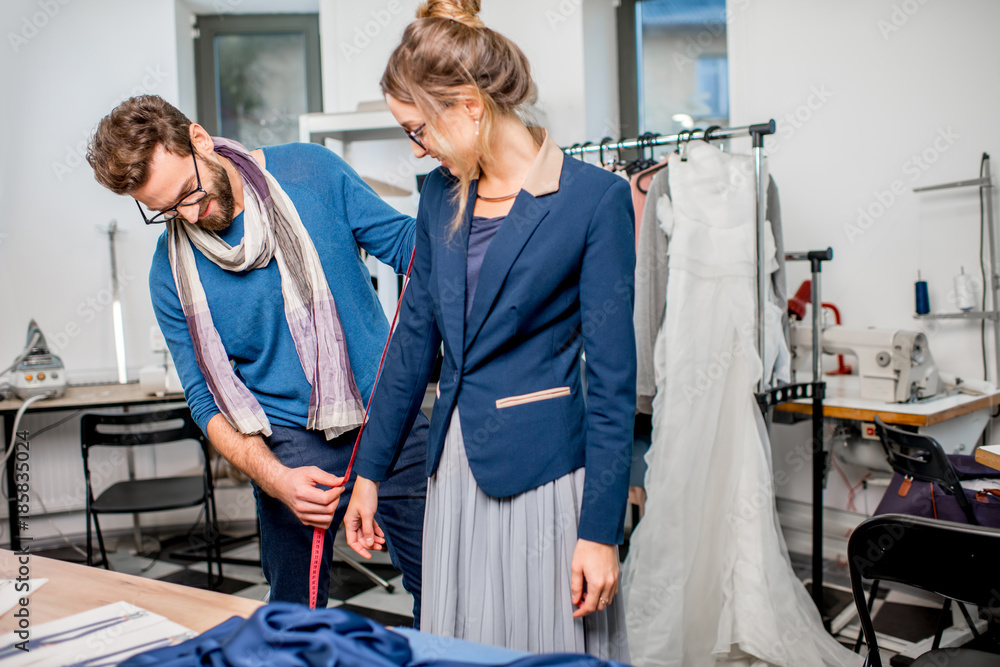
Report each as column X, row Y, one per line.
column 340, row 213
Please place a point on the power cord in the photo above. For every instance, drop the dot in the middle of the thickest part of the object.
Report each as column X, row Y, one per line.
column 10, row 449
column 17, row 419
column 57, row 424
column 982, row 265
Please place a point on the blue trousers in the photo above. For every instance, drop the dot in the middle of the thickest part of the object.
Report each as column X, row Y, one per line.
column 286, row 543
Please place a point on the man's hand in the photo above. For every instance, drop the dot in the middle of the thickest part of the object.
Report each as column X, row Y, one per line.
column 362, row 531
column 594, row 583
column 298, row 489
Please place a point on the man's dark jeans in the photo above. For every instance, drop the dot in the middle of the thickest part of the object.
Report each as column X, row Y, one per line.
column 286, row 543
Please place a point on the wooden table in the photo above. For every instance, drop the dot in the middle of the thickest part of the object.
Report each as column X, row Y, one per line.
column 76, row 398
column 843, row 401
column 989, row 456
column 73, row 588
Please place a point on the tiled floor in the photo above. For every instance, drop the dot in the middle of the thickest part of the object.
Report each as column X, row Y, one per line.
column 348, row 588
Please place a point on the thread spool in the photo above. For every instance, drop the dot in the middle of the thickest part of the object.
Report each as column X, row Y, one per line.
column 923, row 301
column 965, row 291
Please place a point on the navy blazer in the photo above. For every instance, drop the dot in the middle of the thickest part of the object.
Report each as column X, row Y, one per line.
column 557, row 280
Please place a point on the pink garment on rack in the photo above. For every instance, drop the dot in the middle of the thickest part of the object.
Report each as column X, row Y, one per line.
column 642, row 179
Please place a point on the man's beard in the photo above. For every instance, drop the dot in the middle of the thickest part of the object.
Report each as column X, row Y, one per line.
column 222, row 216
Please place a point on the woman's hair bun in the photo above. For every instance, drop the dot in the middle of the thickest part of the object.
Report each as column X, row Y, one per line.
column 465, row 12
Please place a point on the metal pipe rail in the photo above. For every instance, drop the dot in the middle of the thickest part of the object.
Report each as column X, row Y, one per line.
column 757, row 130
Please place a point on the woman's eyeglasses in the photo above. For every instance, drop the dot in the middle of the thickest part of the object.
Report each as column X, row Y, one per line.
column 416, row 134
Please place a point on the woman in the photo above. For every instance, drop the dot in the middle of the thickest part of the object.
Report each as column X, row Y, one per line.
column 523, row 260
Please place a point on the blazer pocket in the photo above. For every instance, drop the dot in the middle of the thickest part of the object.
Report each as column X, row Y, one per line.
column 533, row 397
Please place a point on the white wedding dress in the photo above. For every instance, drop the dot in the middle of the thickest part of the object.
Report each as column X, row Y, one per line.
column 707, row 580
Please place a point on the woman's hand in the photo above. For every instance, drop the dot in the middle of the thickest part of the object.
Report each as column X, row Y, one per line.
column 363, row 533
column 595, row 576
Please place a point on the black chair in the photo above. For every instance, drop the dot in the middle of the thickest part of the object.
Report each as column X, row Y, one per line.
column 156, row 494
column 955, row 560
column 920, row 458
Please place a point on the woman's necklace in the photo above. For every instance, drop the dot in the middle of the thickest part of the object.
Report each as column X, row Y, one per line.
column 504, row 198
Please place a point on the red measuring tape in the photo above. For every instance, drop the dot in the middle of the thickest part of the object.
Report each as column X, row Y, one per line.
column 319, row 534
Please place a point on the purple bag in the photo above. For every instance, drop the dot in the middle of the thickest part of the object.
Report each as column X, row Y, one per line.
column 929, row 500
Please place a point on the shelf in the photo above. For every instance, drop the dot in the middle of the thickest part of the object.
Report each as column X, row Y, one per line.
column 971, row 315
column 347, row 127
column 981, row 182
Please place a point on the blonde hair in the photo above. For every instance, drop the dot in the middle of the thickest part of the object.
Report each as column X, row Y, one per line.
column 444, row 55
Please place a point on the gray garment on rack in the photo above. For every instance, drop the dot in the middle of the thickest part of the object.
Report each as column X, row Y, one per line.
column 651, row 280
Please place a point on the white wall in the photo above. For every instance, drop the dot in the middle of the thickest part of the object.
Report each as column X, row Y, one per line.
column 600, row 68
column 563, row 40
column 54, row 259
column 186, row 96
column 873, row 98
column 64, row 66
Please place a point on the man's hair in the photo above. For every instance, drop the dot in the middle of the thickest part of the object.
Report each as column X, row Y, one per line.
column 123, row 145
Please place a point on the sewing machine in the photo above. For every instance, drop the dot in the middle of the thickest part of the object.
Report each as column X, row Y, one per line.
column 894, row 365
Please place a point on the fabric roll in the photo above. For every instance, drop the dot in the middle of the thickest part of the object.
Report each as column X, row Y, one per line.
column 497, row 570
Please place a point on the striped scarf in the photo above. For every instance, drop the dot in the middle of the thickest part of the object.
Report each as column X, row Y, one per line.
column 272, row 228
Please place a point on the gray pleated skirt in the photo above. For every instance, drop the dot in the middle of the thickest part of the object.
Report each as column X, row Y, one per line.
column 497, row 571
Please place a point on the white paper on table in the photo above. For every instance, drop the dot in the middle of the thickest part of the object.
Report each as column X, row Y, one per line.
column 10, row 596
column 95, row 638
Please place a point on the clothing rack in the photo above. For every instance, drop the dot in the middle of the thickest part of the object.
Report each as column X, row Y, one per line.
column 757, row 132
column 766, row 398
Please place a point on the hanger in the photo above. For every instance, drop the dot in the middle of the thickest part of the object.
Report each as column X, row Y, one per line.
column 604, row 142
column 682, row 142
column 650, row 170
column 642, row 163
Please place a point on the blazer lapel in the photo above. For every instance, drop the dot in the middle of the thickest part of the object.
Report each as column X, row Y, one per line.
column 504, row 249
column 451, row 275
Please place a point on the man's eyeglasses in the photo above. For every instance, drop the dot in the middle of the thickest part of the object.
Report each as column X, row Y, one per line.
column 416, row 134
column 190, row 199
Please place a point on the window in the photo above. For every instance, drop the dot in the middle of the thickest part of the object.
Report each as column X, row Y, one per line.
column 256, row 74
column 674, row 67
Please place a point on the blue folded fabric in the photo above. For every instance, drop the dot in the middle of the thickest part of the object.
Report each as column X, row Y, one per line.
column 283, row 634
